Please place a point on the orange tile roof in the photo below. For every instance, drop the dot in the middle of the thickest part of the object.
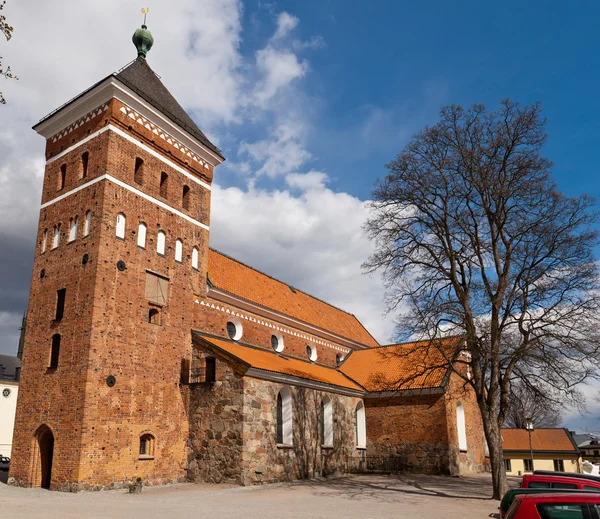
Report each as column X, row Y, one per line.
column 270, row 361
column 243, row 281
column 414, row 365
column 541, row 440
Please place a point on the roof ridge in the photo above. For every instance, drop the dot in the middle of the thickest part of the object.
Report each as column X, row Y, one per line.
column 381, row 346
column 295, row 288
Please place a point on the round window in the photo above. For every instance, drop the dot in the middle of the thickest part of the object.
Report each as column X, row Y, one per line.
column 6, row 392
column 311, row 352
column 234, row 329
column 339, row 358
column 277, row 342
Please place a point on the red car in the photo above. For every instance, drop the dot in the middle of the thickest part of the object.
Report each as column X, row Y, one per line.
column 573, row 482
column 555, row 506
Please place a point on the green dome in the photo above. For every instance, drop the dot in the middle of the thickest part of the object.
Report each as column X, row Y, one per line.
column 143, row 40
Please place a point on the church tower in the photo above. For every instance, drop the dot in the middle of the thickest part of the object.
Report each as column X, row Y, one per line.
column 121, row 255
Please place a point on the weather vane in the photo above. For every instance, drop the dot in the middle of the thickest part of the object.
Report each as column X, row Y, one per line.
column 145, row 11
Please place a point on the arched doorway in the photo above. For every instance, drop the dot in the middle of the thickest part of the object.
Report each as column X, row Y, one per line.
column 45, row 440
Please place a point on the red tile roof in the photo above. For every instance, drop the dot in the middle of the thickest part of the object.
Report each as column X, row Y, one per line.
column 414, row 365
column 270, row 361
column 243, row 281
column 541, row 440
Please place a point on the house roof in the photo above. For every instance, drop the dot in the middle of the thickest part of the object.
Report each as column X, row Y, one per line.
column 546, row 440
column 413, row 365
column 267, row 360
column 10, row 365
column 233, row 277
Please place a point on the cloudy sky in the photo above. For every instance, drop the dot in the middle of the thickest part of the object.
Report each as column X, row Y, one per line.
column 308, row 101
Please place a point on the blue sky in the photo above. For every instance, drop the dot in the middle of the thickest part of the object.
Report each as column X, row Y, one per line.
column 308, row 101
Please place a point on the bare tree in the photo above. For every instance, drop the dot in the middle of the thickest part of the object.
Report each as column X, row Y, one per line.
column 7, row 30
column 473, row 237
column 527, row 402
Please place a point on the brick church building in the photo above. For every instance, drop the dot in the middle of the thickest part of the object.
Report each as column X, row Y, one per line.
column 149, row 354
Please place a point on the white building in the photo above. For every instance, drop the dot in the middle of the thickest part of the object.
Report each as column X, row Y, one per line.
column 10, row 368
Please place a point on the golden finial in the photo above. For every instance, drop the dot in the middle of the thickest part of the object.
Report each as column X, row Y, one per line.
column 145, row 12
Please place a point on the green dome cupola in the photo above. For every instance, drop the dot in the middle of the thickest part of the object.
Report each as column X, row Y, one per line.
column 143, row 40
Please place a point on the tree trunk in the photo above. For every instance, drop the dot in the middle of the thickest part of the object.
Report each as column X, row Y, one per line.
column 494, row 439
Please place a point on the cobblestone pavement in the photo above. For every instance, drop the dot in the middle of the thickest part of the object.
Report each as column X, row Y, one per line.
column 372, row 496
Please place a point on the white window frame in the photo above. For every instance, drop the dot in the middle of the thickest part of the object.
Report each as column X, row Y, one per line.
column 195, row 258
column 74, row 224
column 461, row 427
column 313, row 352
column 120, row 226
column 56, row 237
column 88, row 224
column 361, row 426
column 141, row 237
column 178, row 250
column 286, row 417
column 327, row 422
column 161, row 239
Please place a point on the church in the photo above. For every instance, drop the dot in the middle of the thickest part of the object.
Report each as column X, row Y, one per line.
column 147, row 354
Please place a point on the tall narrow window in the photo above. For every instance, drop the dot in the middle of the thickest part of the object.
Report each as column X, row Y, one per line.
column 507, row 465
column 120, row 227
column 185, row 198
column 56, row 237
column 54, row 354
column 160, row 242
column 284, row 417
column 210, row 374
column 141, row 240
column 44, row 240
column 73, row 229
column 84, row 164
column 138, row 175
column 88, row 224
column 62, row 176
column 327, row 422
column 195, row 258
column 361, row 426
column 164, row 184
column 60, row 303
column 178, row 250
column 146, row 446
column 461, row 427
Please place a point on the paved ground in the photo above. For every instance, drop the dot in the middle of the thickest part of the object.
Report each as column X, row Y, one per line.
column 373, row 496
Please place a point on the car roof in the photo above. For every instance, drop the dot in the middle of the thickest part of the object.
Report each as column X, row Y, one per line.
column 589, row 477
column 558, row 477
column 563, row 498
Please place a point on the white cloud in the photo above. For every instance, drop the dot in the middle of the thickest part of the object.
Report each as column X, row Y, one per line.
column 286, row 23
column 279, row 69
column 307, row 181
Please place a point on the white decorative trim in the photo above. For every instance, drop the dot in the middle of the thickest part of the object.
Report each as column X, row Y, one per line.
column 141, row 145
column 129, row 188
column 86, row 118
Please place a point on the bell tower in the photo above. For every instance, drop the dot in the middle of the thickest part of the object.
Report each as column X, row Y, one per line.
column 121, row 255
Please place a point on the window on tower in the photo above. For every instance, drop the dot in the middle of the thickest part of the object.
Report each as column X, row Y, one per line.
column 157, row 289
column 60, row 303
column 141, row 238
column 120, row 227
column 138, row 175
column 56, row 237
column 164, row 184
column 185, row 198
column 73, row 229
column 62, row 176
column 55, row 352
column 84, row 164
column 195, row 258
column 88, row 224
column 44, row 240
column 160, row 242
column 178, row 250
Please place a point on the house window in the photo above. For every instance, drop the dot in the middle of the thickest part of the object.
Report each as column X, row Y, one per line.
column 147, row 446
column 120, row 227
column 277, row 342
column 88, row 224
column 60, row 303
column 559, row 465
column 44, row 240
column 54, row 354
column 178, row 250
column 210, row 373
column 461, row 427
column 284, row 417
column 141, row 237
column 138, row 175
column 339, row 358
column 234, row 329
column 185, row 198
column 160, row 242
column 507, row 465
column 153, row 316
column 311, row 352
column 195, row 258
column 326, row 422
column 73, row 229
column 361, row 426
column 84, row 164
column 528, row 465
column 62, row 176
column 596, row 453
column 157, row 288
column 164, row 184
column 56, row 237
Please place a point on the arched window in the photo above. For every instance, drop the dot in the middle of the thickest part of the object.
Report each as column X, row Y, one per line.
column 326, row 422
column 185, row 198
column 284, row 417
column 361, row 426
column 153, row 316
column 178, row 250
column 88, row 224
column 56, row 237
column 54, row 354
column 73, row 229
column 461, row 427
column 160, row 242
column 195, row 258
column 164, row 184
column 141, row 239
column 138, row 174
column 120, row 227
column 146, row 446
column 44, row 240
column 84, row 164
column 62, row 176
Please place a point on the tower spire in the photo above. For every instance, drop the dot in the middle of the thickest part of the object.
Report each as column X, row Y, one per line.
column 142, row 38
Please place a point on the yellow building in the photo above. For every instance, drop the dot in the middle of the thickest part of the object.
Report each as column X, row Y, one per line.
column 539, row 449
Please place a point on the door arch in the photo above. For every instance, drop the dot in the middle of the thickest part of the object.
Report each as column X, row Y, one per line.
column 45, row 441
